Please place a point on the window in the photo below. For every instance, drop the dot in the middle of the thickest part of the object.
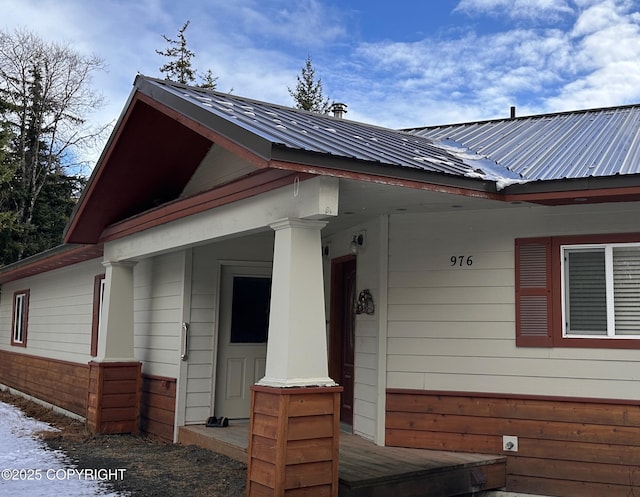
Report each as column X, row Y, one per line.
column 250, row 309
column 601, row 290
column 579, row 291
column 20, row 318
column 98, row 299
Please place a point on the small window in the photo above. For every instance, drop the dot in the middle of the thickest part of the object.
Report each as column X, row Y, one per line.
column 601, row 291
column 250, row 309
column 98, row 299
column 20, row 318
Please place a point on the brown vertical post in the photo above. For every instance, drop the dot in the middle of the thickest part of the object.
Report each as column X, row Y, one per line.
column 294, row 441
column 113, row 397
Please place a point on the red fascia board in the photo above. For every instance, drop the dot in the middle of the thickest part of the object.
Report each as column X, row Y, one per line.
column 78, row 214
column 249, row 186
column 572, row 197
column 124, row 179
column 148, row 164
column 48, row 263
column 386, row 180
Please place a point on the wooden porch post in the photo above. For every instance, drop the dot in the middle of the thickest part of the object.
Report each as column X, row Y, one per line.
column 113, row 398
column 295, row 417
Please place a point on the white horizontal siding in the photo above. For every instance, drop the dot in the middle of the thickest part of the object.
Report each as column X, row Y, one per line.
column 367, row 327
column 60, row 312
column 158, row 313
column 204, row 309
column 453, row 327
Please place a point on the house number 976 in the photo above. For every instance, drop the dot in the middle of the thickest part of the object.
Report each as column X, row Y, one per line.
column 461, row 260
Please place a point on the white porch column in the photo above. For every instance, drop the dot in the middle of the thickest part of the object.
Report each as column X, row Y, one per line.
column 113, row 396
column 297, row 345
column 115, row 336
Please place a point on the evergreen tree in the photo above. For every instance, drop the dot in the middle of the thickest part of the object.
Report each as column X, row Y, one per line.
column 45, row 95
column 8, row 217
column 52, row 211
column 308, row 92
column 179, row 67
column 209, row 81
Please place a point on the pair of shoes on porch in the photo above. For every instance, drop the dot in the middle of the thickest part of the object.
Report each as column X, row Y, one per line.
column 220, row 422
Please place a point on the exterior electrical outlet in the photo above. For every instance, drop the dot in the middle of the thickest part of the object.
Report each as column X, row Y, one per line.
column 509, row 444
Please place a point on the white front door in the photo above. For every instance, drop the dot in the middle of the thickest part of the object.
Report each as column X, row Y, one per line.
column 245, row 292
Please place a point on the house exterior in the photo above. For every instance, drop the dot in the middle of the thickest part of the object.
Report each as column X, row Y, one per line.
column 471, row 287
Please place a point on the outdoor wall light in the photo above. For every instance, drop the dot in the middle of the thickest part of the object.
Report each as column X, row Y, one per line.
column 364, row 304
column 356, row 243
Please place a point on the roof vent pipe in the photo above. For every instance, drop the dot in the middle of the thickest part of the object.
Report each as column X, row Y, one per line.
column 513, row 112
column 338, row 109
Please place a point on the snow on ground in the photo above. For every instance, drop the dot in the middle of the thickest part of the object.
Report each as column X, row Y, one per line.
column 28, row 468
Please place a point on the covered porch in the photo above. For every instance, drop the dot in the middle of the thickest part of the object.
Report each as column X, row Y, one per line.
column 367, row 470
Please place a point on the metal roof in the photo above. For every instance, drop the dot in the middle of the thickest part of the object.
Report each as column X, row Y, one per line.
column 297, row 129
column 567, row 145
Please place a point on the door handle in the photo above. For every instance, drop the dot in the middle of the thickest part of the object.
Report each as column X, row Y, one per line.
column 185, row 342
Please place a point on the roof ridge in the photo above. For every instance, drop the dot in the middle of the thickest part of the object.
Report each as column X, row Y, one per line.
column 251, row 100
column 521, row 118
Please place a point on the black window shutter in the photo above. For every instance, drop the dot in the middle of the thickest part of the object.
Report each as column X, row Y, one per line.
column 533, row 292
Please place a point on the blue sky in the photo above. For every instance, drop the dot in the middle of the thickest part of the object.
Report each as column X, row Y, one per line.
column 399, row 64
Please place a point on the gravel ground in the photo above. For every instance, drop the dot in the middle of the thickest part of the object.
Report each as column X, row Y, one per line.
column 153, row 468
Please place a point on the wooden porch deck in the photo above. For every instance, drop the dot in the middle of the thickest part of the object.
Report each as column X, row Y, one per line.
column 368, row 470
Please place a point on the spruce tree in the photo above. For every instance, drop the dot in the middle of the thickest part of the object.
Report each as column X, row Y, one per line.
column 45, row 96
column 179, row 68
column 308, row 92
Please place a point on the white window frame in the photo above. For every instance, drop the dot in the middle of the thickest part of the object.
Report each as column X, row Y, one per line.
column 20, row 303
column 609, row 281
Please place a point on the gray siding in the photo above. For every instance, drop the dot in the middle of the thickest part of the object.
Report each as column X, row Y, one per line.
column 367, row 327
column 158, row 313
column 60, row 310
column 453, row 327
column 204, row 311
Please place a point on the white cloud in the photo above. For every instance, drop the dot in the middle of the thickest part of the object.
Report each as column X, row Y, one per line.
column 305, row 23
column 606, row 51
column 594, row 63
column 527, row 9
column 540, row 55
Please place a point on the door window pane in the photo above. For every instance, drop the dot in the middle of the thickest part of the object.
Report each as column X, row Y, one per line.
column 250, row 309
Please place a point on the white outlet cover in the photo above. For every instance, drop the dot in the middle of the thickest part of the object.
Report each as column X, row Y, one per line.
column 510, row 443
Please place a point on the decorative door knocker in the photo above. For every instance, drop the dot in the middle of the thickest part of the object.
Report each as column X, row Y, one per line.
column 365, row 304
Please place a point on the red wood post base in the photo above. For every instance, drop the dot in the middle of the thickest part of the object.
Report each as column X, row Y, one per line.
column 113, row 402
column 294, row 442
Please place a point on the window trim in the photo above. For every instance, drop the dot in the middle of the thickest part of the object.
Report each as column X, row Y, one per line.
column 96, row 317
column 555, row 336
column 23, row 296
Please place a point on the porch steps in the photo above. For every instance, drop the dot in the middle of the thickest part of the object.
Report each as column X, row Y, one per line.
column 231, row 441
column 368, row 470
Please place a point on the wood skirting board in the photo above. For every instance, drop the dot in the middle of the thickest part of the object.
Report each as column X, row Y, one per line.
column 566, row 447
column 113, row 397
column 294, row 441
column 158, row 406
column 60, row 383
column 149, row 401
